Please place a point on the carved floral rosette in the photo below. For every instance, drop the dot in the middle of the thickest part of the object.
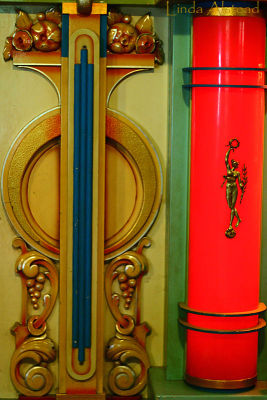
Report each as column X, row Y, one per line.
column 128, row 346
column 34, row 350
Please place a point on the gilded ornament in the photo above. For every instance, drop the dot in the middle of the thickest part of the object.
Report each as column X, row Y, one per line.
column 126, row 19
column 40, row 16
column 128, row 345
column 231, row 178
column 159, row 52
column 46, row 36
column 114, row 16
column 126, row 38
column 132, row 283
column 123, row 380
column 43, row 35
column 30, row 282
column 134, row 265
column 145, row 43
column 40, row 278
column 23, row 21
column 31, row 264
column 33, row 349
column 122, row 38
column 39, row 286
column 37, row 380
column 145, row 24
column 122, row 277
column 32, row 328
column 8, row 49
column 53, row 15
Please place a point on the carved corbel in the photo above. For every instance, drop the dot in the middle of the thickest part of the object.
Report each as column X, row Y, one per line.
column 128, row 346
column 34, row 350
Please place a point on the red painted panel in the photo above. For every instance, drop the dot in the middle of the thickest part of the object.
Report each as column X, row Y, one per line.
column 224, row 272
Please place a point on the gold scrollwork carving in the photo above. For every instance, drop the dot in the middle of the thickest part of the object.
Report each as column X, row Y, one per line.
column 34, row 350
column 127, row 348
column 37, row 380
column 123, row 380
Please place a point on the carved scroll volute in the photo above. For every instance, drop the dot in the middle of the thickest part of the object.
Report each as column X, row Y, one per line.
column 128, row 345
column 32, row 344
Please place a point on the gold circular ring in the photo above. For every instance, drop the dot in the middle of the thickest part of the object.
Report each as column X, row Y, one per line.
column 261, row 324
column 32, row 142
column 132, row 144
column 261, row 308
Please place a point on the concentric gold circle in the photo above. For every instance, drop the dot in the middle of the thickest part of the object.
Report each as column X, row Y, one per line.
column 133, row 184
column 144, row 173
column 34, row 142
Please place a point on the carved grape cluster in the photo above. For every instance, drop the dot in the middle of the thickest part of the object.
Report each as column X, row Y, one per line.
column 35, row 287
column 127, row 286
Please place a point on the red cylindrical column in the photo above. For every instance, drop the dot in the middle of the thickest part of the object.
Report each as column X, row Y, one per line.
column 227, row 124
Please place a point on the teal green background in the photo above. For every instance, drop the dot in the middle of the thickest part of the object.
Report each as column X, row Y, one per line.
column 178, row 193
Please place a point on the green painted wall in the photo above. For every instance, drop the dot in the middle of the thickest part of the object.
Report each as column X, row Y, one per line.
column 177, row 213
column 262, row 360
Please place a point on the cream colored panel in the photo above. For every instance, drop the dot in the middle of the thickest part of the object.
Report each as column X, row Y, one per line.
column 23, row 96
column 43, row 192
column 120, row 182
column 143, row 97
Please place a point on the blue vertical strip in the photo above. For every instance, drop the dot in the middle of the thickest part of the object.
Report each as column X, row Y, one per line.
column 103, row 36
column 65, row 36
column 88, row 196
column 76, row 203
column 82, row 189
column 82, row 204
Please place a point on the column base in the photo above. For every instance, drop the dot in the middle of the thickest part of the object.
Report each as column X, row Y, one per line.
column 221, row 384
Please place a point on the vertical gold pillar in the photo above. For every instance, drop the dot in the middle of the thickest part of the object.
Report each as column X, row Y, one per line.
column 82, row 379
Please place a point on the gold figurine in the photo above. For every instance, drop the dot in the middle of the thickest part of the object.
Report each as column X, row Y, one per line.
column 231, row 186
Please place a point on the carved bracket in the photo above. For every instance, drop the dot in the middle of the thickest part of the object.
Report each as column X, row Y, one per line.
column 34, row 350
column 128, row 345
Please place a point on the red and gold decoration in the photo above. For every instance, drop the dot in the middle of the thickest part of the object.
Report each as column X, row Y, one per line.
column 225, row 224
column 129, row 344
column 136, row 201
column 89, row 135
column 41, row 32
column 30, row 372
column 36, row 141
column 126, row 38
